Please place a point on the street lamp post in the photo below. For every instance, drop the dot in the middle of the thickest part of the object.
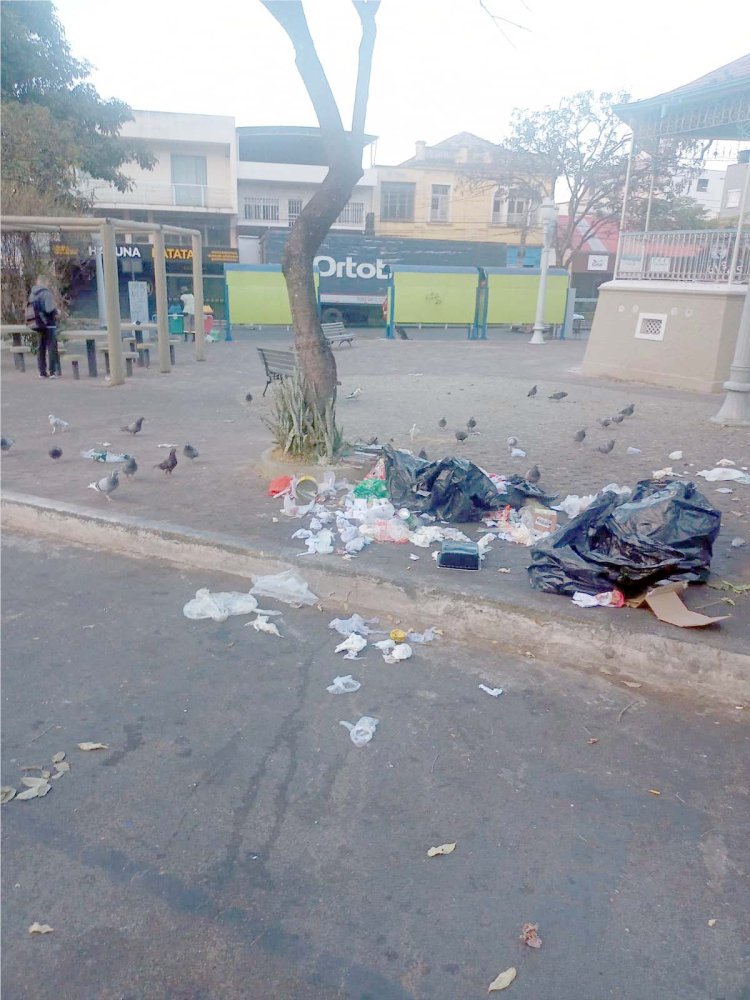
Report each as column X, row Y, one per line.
column 548, row 217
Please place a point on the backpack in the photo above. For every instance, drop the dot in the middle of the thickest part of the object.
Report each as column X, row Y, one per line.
column 34, row 316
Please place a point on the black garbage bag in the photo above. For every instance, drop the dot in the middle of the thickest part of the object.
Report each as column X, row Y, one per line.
column 664, row 531
column 517, row 491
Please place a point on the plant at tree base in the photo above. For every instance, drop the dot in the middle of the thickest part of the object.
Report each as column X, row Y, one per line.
column 300, row 428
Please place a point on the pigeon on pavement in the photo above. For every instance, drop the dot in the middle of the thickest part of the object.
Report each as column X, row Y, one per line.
column 168, row 464
column 471, row 423
column 6, row 443
column 512, row 442
column 354, row 393
column 135, row 427
column 579, row 435
column 107, row 485
column 603, row 421
column 605, row 449
column 442, row 423
column 461, row 435
column 130, row 467
column 628, row 410
column 55, row 453
column 190, row 452
column 58, row 424
column 558, row 395
column 248, row 397
column 532, row 391
column 533, row 475
column 618, row 418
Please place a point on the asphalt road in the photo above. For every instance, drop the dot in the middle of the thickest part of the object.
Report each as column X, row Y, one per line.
column 233, row 843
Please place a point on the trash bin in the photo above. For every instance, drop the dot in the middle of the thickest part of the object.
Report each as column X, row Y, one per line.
column 176, row 323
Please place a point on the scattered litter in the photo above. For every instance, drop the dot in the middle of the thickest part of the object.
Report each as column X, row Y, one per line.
column 37, row 928
column 93, row 746
column 442, row 850
column 675, row 456
column 712, row 922
column 97, row 455
column 58, row 757
column 413, row 557
column 344, row 685
column 633, row 451
column 346, row 626
column 503, row 569
column 654, row 791
column 666, row 604
column 517, row 453
column 495, row 692
column 262, row 624
column 280, row 485
column 429, row 635
column 530, row 937
column 400, row 651
column 219, row 606
column 371, row 489
column 7, row 794
column 428, row 534
column 663, row 473
column 361, row 732
column 736, row 543
column 352, row 645
column 725, row 461
column 35, row 788
column 398, row 635
column 287, row 587
column 572, row 505
column 609, row 599
column 503, row 981
column 459, row 555
column 725, row 475
column 723, row 489
column 317, row 544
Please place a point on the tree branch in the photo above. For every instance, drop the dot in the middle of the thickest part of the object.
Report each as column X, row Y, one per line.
column 366, row 9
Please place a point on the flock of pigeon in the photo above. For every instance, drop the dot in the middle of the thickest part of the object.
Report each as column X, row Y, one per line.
column 110, row 483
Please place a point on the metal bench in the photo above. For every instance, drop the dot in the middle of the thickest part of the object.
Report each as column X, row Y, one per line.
column 336, row 333
column 18, row 352
column 278, row 364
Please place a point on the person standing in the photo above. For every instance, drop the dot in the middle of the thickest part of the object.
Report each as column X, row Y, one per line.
column 41, row 316
column 188, row 311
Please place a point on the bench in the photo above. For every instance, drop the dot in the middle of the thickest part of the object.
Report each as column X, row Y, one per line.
column 278, row 365
column 18, row 352
column 336, row 333
column 172, row 342
column 129, row 357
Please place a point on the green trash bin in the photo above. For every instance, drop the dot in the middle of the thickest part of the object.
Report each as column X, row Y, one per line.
column 176, row 323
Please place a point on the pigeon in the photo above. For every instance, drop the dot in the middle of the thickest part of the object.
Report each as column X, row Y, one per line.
column 471, row 423
column 248, row 397
column 373, row 440
column 628, row 410
column 190, row 452
column 603, row 421
column 169, row 463
column 135, row 427
column 442, row 423
column 461, row 435
column 618, row 418
column 107, row 485
column 532, row 391
column 55, row 453
column 130, row 467
column 558, row 395
column 605, row 449
column 533, row 475
column 57, row 424
column 579, row 435
column 401, row 332
column 512, row 442
column 6, row 443
column 354, row 393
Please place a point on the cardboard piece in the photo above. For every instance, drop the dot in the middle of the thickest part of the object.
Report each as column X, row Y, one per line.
column 539, row 519
column 666, row 604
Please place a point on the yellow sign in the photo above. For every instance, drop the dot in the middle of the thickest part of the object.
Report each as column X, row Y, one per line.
column 178, row 253
column 63, row 250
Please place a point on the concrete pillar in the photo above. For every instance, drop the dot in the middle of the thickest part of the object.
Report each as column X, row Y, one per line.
column 200, row 336
column 735, row 409
column 162, row 305
column 112, row 299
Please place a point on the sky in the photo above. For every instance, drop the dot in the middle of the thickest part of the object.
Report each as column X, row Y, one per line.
column 440, row 66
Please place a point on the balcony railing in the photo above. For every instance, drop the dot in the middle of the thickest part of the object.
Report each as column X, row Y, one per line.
column 159, row 195
column 685, row 255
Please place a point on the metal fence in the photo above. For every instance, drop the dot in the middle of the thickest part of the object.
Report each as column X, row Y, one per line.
column 710, row 255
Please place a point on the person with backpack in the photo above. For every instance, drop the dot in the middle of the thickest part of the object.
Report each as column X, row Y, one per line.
column 41, row 316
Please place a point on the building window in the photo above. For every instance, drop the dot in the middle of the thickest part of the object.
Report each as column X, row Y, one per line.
column 396, row 202
column 262, row 209
column 189, row 179
column 440, row 202
column 733, row 198
column 353, row 214
column 518, row 210
column 498, row 200
column 294, row 206
column 702, row 184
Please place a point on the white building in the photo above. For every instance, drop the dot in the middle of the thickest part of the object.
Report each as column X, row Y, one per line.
column 707, row 189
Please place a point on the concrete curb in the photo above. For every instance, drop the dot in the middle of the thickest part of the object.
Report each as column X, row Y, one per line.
column 667, row 664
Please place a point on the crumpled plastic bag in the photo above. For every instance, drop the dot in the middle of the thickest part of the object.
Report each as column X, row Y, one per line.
column 358, row 624
column 344, row 685
column 425, row 535
column 219, row 606
column 725, row 475
column 352, row 645
column 287, row 587
column 514, row 491
column 361, row 732
column 665, row 531
column 102, row 455
column 428, row 635
column 394, row 651
column 318, row 544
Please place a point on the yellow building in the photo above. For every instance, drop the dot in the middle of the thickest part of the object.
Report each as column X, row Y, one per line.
column 463, row 188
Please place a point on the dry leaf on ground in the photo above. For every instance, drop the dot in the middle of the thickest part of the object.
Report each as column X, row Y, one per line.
column 93, row 746
column 58, row 757
column 36, row 788
column 37, row 928
column 712, row 922
column 6, row 794
column 61, row 767
column 654, row 791
column 435, row 852
column 530, row 937
column 503, row 981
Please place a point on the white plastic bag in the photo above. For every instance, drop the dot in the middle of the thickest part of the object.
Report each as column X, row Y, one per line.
column 420, row 637
column 344, row 685
column 287, row 587
column 219, row 606
column 725, row 475
column 345, row 626
column 400, row 651
column 363, row 731
column 321, row 544
column 351, row 646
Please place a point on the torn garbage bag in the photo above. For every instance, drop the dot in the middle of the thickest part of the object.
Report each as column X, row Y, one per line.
column 665, row 531
column 452, row 489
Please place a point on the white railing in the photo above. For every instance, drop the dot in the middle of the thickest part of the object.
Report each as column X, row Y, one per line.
column 685, row 255
column 173, row 195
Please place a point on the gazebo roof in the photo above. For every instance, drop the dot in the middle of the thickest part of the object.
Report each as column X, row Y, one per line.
column 715, row 106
